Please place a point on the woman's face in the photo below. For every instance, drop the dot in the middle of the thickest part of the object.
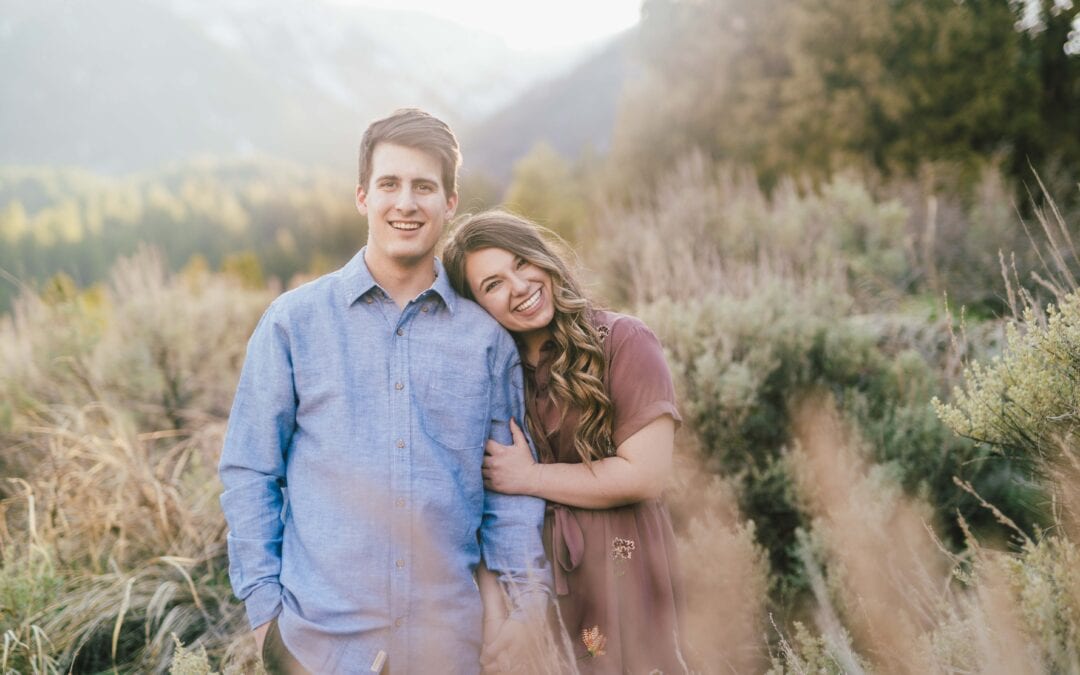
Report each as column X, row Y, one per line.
column 512, row 290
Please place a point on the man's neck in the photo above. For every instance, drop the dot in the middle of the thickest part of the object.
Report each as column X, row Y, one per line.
column 403, row 282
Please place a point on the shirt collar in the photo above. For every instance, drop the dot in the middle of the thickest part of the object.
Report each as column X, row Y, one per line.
column 357, row 280
column 443, row 288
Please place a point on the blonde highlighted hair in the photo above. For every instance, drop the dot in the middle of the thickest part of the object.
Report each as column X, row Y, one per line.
column 578, row 369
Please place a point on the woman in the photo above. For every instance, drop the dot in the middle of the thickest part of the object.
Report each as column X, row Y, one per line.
column 602, row 415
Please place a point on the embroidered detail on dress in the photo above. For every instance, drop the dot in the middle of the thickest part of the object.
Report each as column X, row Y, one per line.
column 622, row 550
column 603, row 331
column 594, row 641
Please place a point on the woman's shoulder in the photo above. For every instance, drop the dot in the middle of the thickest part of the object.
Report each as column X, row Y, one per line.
column 615, row 328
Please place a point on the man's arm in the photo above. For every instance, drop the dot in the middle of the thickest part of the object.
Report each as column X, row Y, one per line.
column 260, row 636
column 510, row 532
column 491, row 594
column 252, row 468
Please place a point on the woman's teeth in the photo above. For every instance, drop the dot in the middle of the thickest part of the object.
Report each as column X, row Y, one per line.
column 530, row 303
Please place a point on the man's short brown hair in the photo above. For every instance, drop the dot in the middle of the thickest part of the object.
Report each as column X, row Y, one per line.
column 413, row 128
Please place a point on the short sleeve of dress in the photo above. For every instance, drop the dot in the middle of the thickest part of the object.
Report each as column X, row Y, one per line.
column 639, row 381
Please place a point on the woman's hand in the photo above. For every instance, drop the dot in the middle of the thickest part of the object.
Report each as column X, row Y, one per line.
column 511, row 469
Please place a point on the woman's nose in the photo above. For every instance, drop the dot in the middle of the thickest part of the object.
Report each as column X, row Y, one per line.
column 518, row 283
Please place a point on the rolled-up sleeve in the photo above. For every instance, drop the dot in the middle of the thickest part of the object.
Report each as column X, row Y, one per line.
column 512, row 525
column 252, row 467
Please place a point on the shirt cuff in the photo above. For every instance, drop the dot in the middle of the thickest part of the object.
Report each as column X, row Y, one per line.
column 263, row 604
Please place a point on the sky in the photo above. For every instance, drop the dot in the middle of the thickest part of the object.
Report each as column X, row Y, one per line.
column 530, row 25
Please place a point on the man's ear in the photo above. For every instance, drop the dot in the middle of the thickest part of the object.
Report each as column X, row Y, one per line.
column 451, row 205
column 361, row 200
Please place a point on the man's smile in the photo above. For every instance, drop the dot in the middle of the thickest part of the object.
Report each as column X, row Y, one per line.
column 405, row 225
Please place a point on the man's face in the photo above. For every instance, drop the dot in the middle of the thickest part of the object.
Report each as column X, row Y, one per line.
column 406, row 206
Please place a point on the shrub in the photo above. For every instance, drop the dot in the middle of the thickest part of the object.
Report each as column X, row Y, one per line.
column 738, row 360
column 118, row 402
column 1024, row 401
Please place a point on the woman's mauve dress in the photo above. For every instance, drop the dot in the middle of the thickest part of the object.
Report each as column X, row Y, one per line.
column 615, row 569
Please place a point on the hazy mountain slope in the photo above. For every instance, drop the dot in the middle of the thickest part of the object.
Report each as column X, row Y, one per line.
column 571, row 112
column 129, row 84
column 133, row 87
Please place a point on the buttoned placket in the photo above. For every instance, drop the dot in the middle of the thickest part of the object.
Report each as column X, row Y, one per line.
column 401, row 414
column 400, row 479
column 399, row 453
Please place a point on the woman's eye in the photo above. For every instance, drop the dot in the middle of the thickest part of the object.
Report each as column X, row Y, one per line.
column 491, row 286
column 522, row 262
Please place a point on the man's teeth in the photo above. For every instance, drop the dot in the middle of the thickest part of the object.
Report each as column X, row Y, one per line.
column 405, row 226
column 530, row 303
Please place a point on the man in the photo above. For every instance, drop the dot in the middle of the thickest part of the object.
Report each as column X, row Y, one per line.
column 352, row 461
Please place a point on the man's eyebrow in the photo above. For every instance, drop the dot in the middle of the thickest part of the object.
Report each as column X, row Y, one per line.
column 386, row 176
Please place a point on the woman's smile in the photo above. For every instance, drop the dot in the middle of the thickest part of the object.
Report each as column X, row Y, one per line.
column 531, row 302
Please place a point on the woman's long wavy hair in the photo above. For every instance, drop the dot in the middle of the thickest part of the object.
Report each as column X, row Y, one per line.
column 578, row 368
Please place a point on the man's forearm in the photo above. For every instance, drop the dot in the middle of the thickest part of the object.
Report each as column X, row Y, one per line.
column 260, row 636
column 252, row 468
column 252, row 502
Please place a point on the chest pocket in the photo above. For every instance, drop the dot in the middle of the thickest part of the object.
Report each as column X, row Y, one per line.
column 456, row 409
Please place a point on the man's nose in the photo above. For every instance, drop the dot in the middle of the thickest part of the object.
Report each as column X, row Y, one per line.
column 405, row 201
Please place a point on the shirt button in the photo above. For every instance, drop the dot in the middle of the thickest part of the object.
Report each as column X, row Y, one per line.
column 369, row 300
column 399, row 502
column 399, row 622
column 399, row 386
column 425, row 308
column 399, row 562
column 401, row 443
column 400, row 331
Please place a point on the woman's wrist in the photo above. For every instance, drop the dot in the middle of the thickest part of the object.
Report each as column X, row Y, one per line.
column 537, row 480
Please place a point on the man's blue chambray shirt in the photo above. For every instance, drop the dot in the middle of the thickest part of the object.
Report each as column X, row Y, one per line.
column 352, row 477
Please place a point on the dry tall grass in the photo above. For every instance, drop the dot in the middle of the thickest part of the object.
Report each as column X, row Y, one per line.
column 118, row 402
column 886, row 570
column 891, row 599
column 725, row 571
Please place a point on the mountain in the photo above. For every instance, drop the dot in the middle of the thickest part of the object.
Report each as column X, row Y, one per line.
column 126, row 85
column 572, row 112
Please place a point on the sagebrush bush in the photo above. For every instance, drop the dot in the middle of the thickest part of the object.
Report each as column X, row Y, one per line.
column 1045, row 579
column 1025, row 400
column 757, row 297
column 738, row 359
column 707, row 228
column 161, row 347
column 111, row 536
